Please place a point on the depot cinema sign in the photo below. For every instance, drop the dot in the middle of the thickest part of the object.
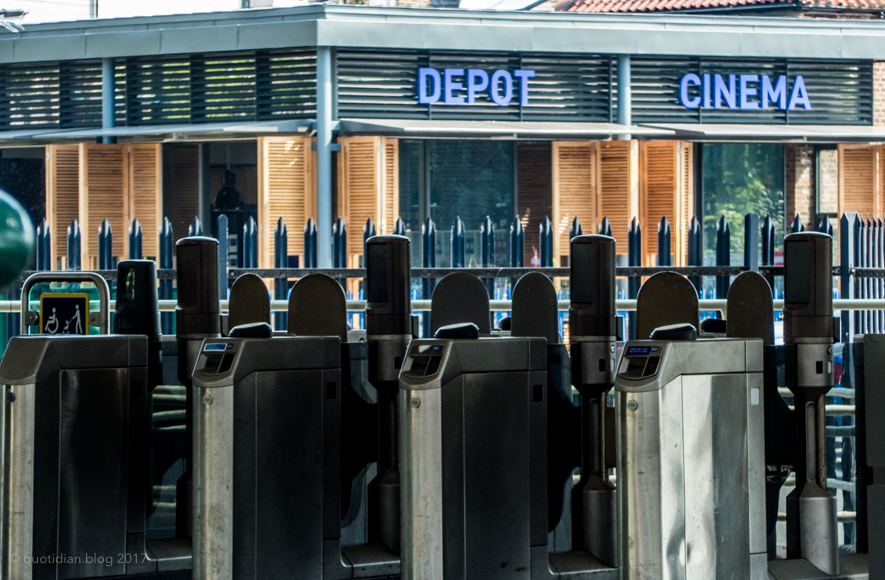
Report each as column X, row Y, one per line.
column 745, row 92
column 457, row 86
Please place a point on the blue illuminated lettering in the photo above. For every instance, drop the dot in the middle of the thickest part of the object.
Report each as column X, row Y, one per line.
column 723, row 91
column 799, row 95
column 524, row 76
column 689, row 103
column 477, row 81
column 745, row 92
column 497, row 76
column 452, row 86
column 425, row 97
column 774, row 94
column 707, row 101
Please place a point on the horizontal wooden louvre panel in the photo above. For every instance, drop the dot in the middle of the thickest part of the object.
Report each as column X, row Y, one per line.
column 361, row 184
column 103, row 195
column 618, row 187
column 286, row 189
column 574, row 191
column 181, row 184
column 390, row 194
column 146, row 194
column 686, row 202
column 534, row 186
column 858, row 180
column 659, row 186
column 62, row 194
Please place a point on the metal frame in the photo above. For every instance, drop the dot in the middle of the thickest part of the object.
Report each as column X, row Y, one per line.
column 367, row 27
column 104, row 295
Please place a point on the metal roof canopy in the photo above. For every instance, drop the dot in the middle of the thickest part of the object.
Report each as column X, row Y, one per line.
column 230, row 129
column 760, row 132
column 440, row 29
column 479, row 129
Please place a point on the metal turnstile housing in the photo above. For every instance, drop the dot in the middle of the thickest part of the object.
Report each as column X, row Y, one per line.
column 690, row 460
column 74, row 456
column 266, row 457
column 473, row 458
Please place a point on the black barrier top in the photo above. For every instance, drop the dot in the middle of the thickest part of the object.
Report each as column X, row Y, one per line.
column 665, row 299
column 137, row 310
column 592, row 285
column 249, row 302
column 535, row 312
column 388, row 286
column 318, row 307
column 749, row 310
column 197, row 312
column 808, row 285
column 460, row 297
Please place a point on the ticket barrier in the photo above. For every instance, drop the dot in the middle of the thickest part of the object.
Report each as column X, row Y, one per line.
column 690, row 417
column 305, row 411
column 76, row 491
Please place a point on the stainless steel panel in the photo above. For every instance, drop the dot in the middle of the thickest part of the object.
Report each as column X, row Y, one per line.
column 213, row 483
column 18, row 474
column 651, row 529
column 756, row 464
column 691, row 466
column 716, row 477
column 421, row 488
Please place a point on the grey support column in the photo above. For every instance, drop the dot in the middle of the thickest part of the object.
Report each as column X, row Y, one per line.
column 107, row 97
column 324, row 157
column 624, row 98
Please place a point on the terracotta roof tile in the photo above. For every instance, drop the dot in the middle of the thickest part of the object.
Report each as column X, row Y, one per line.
column 673, row 5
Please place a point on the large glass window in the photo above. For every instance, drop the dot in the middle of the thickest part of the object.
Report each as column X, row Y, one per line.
column 740, row 178
column 447, row 179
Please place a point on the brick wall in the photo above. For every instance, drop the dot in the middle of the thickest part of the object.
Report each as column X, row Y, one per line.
column 799, row 194
column 879, row 94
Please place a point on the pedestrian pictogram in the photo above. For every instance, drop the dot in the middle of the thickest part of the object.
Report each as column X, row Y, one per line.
column 64, row 314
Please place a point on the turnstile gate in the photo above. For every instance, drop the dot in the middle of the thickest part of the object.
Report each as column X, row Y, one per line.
column 691, row 460
column 266, row 427
column 478, row 407
column 74, row 456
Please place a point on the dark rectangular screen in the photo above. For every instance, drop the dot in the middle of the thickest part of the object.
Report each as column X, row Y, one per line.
column 582, row 270
column 376, row 273
column 797, row 269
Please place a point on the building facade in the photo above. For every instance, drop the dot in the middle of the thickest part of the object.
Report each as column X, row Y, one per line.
column 353, row 111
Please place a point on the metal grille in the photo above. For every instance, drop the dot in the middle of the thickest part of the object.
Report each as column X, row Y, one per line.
column 79, row 93
column 158, row 90
column 384, row 84
column 841, row 92
column 30, row 95
column 198, row 88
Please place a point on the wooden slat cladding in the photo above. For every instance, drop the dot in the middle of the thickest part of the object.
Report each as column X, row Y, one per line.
column 368, row 186
column 859, row 181
column 618, row 187
column 181, row 186
column 534, row 187
column 390, row 193
column 360, row 184
column 62, row 194
column 286, row 189
column 686, row 206
column 103, row 195
column 665, row 190
column 574, row 192
column 146, row 194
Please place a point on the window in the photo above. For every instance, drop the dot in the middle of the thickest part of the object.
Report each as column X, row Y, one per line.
column 740, row 178
column 447, row 179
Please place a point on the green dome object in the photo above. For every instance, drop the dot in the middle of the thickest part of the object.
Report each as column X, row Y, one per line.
column 16, row 239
